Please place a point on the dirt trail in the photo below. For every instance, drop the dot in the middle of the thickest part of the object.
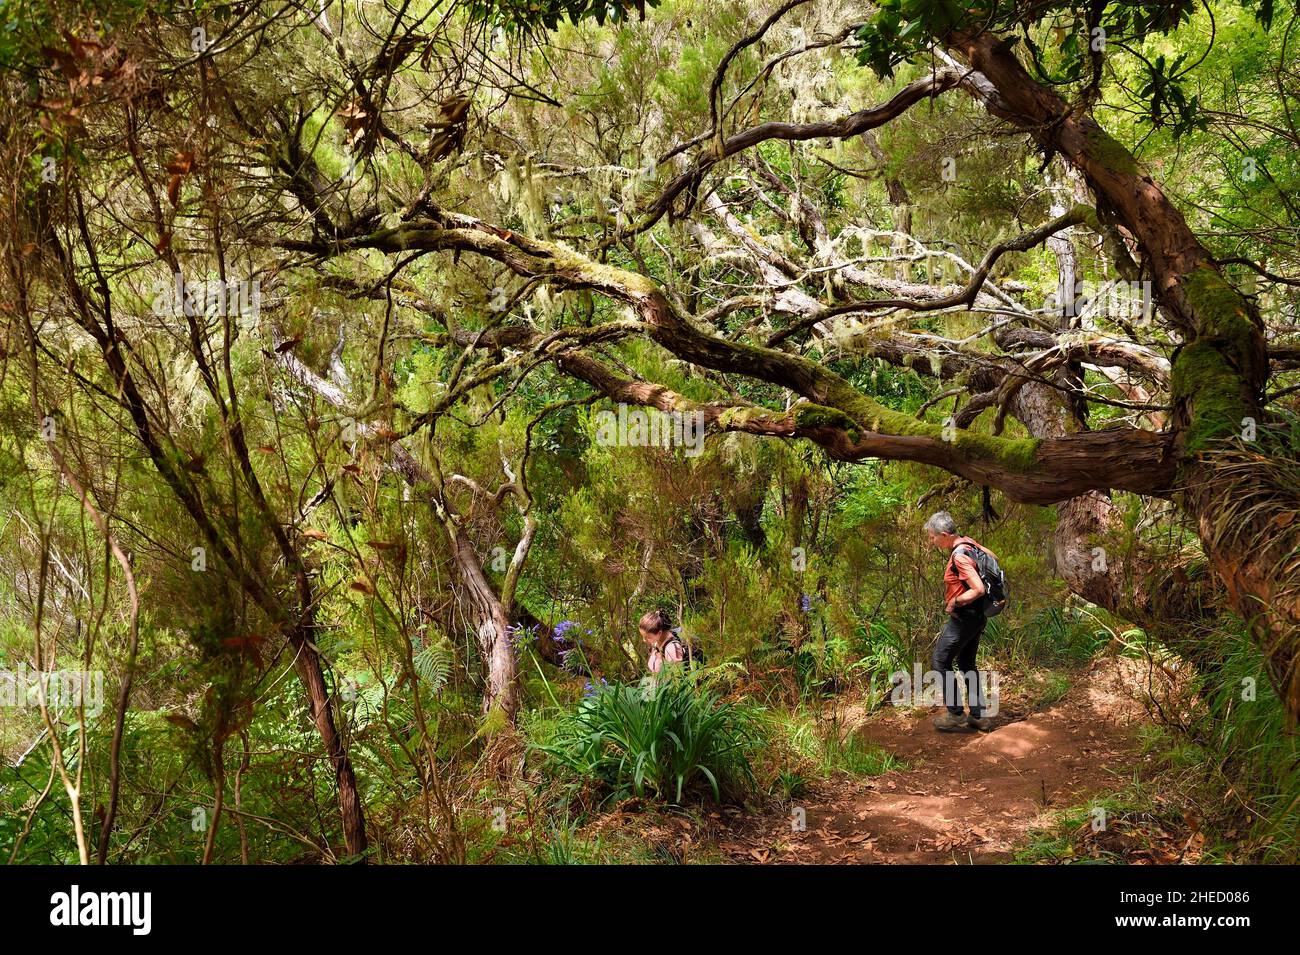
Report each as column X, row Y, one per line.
column 962, row 797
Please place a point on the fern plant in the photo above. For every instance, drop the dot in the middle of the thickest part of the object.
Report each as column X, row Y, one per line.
column 433, row 666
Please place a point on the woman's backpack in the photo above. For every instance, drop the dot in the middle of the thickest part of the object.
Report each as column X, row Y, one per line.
column 692, row 655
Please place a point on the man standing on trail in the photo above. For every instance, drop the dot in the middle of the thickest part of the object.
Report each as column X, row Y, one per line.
column 963, row 593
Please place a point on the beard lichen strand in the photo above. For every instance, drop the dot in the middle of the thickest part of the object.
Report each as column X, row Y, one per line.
column 833, row 402
column 1017, row 466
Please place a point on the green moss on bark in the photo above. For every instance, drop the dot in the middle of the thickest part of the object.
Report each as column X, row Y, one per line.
column 1213, row 375
column 808, row 415
column 1110, row 152
column 1011, row 454
column 1014, row 454
column 738, row 418
column 1204, row 379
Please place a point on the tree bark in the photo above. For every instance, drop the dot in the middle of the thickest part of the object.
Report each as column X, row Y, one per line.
column 307, row 662
column 1242, row 513
column 489, row 613
column 501, row 689
column 1216, row 382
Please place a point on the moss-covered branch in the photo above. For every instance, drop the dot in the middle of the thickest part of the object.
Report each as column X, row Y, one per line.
column 849, row 424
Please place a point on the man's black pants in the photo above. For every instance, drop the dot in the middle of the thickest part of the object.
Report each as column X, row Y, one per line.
column 958, row 644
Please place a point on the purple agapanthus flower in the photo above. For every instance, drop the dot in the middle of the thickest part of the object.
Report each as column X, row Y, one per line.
column 805, row 602
column 520, row 636
column 571, row 660
column 562, row 629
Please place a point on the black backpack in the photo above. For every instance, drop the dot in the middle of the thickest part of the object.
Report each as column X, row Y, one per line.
column 995, row 582
column 692, row 656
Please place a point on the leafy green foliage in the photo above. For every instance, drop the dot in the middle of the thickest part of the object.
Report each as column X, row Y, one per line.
column 661, row 741
column 533, row 15
column 1078, row 36
column 433, row 664
column 899, row 29
column 712, row 538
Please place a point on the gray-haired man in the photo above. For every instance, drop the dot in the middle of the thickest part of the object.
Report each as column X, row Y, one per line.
column 963, row 590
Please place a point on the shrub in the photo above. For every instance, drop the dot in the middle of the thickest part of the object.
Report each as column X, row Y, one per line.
column 658, row 741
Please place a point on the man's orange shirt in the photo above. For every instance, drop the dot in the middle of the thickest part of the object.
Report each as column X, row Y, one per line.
column 961, row 573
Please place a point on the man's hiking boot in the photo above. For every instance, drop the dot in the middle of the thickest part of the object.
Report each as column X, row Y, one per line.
column 950, row 723
column 981, row 723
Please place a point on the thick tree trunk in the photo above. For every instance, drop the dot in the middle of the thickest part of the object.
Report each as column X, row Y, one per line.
column 489, row 613
column 1216, row 382
column 1242, row 507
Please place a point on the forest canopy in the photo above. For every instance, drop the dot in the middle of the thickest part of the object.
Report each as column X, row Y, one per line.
column 369, row 369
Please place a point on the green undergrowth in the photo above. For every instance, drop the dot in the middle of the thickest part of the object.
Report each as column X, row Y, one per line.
column 1223, row 784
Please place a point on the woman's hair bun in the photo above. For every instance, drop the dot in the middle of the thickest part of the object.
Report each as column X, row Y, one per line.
column 656, row 621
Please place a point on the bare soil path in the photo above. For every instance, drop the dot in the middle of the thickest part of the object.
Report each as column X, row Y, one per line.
column 964, row 798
